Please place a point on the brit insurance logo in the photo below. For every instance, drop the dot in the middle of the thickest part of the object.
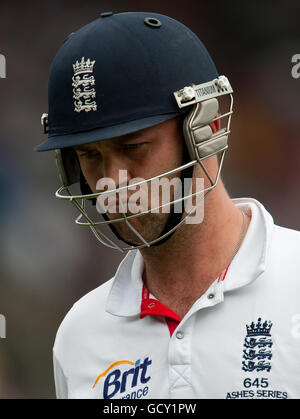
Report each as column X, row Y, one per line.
column 258, row 343
column 125, row 379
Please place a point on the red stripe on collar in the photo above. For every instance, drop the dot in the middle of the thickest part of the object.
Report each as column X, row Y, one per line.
column 223, row 274
column 152, row 307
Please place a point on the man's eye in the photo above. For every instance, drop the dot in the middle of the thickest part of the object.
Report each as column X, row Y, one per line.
column 132, row 146
column 89, row 154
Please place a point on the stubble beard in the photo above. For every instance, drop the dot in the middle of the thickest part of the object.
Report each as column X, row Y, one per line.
column 150, row 226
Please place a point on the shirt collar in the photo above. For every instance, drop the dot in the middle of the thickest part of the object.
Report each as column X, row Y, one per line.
column 124, row 298
column 249, row 263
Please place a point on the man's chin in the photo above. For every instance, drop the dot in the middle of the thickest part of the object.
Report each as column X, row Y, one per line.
column 148, row 226
column 129, row 237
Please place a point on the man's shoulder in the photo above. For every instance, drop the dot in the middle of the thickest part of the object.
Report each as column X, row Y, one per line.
column 287, row 239
column 93, row 300
column 285, row 250
column 84, row 311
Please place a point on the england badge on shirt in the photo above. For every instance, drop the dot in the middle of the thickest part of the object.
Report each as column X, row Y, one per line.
column 258, row 343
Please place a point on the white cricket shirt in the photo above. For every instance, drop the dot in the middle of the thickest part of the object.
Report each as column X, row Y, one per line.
column 241, row 339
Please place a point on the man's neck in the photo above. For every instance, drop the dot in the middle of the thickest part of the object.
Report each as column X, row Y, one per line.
column 180, row 270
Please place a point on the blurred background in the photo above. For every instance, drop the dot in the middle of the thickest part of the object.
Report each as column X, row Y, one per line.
column 47, row 262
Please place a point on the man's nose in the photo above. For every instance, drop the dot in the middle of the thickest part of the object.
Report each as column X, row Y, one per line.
column 115, row 168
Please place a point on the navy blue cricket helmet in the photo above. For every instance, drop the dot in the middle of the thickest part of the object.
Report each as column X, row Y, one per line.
column 123, row 73
column 117, row 75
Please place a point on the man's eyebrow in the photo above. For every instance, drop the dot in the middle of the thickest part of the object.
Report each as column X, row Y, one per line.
column 127, row 137
column 82, row 147
column 131, row 136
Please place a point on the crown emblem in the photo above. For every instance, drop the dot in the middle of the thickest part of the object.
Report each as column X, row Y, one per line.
column 82, row 82
column 259, row 328
column 83, row 66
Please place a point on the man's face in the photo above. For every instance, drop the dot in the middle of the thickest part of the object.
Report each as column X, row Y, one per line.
column 143, row 154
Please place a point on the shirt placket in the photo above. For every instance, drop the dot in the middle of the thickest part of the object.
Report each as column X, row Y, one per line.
column 181, row 332
column 181, row 344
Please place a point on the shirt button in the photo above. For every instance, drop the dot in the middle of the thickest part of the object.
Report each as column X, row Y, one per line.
column 210, row 296
column 179, row 334
column 151, row 305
